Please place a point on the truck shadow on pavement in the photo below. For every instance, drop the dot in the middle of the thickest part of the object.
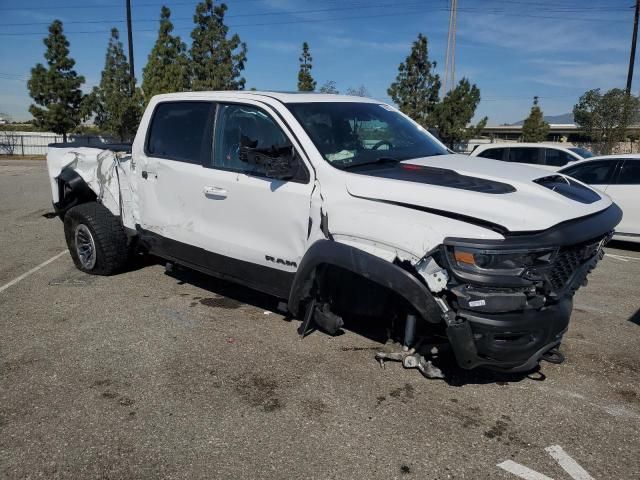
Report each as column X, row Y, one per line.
column 366, row 327
column 622, row 245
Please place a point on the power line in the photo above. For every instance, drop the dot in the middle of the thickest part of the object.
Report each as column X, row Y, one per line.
column 311, row 20
column 103, row 5
column 553, row 9
column 291, row 22
column 358, row 6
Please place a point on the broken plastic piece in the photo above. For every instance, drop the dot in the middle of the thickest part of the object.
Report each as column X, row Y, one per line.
column 411, row 359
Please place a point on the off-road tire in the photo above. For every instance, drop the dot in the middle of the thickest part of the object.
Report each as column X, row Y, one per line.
column 111, row 245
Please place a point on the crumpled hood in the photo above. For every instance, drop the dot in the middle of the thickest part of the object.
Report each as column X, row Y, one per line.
column 501, row 193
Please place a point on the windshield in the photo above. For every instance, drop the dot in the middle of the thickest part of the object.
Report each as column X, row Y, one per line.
column 352, row 134
column 584, row 153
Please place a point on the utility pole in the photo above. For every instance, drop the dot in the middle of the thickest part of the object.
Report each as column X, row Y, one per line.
column 632, row 56
column 130, row 38
column 450, row 58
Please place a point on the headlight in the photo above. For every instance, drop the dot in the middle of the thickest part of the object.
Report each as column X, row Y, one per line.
column 498, row 262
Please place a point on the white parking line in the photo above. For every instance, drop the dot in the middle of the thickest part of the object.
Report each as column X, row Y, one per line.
column 622, row 258
column 33, row 270
column 567, row 463
column 522, row 471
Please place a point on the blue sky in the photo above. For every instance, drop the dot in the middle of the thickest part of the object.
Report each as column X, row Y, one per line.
column 512, row 49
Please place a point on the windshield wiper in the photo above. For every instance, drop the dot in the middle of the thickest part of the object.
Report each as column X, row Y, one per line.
column 377, row 161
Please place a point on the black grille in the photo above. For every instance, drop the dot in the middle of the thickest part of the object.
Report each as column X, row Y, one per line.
column 567, row 262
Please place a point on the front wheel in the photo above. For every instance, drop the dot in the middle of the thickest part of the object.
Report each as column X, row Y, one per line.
column 96, row 239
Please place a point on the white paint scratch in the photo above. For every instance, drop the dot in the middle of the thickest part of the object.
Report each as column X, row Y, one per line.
column 32, row 271
column 567, row 463
column 522, row 471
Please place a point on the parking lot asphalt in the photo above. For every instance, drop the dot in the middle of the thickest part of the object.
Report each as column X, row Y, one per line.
column 150, row 375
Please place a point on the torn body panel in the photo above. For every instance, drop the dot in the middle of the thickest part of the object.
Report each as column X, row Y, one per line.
column 105, row 172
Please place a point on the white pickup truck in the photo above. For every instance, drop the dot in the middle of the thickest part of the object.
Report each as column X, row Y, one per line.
column 342, row 206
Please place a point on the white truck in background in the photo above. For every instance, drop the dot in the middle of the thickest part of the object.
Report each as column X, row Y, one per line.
column 342, row 206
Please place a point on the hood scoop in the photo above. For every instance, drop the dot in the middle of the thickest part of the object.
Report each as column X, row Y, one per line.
column 569, row 188
column 441, row 177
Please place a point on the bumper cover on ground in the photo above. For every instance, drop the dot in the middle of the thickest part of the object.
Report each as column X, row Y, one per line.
column 508, row 341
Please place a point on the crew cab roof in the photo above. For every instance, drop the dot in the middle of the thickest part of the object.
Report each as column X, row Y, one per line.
column 284, row 97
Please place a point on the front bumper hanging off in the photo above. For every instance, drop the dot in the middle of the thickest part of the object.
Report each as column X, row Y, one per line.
column 516, row 340
column 509, row 341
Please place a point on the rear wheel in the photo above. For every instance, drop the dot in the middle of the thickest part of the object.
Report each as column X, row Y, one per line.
column 96, row 239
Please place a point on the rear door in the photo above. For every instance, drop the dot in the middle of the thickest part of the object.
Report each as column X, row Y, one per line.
column 172, row 176
column 625, row 191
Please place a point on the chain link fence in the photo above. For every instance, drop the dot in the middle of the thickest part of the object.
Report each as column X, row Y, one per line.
column 36, row 143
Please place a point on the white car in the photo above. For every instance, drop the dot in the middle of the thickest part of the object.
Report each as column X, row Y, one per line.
column 619, row 177
column 343, row 207
column 547, row 156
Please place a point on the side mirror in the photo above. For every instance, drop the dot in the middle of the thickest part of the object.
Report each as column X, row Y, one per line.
column 280, row 163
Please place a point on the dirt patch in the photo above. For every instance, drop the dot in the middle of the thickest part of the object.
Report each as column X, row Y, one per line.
column 109, row 395
column 11, row 366
column 497, row 430
column 314, row 407
column 221, row 302
column 260, row 392
column 404, row 394
column 629, row 396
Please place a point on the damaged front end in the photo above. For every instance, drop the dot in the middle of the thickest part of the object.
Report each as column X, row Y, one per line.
column 507, row 303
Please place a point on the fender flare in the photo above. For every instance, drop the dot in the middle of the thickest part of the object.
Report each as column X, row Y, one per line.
column 72, row 190
column 382, row 272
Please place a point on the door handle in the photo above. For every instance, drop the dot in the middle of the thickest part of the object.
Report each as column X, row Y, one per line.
column 215, row 192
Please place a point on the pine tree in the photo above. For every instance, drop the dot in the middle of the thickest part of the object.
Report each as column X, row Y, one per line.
column 216, row 61
column 534, row 128
column 166, row 70
column 306, row 83
column 56, row 88
column 415, row 90
column 118, row 103
column 452, row 116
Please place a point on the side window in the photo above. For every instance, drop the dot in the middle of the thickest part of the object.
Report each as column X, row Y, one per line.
column 238, row 125
column 524, row 155
column 593, row 173
column 556, row 158
column 494, row 153
column 181, row 131
column 629, row 173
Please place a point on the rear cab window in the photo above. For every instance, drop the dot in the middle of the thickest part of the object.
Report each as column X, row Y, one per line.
column 181, row 131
